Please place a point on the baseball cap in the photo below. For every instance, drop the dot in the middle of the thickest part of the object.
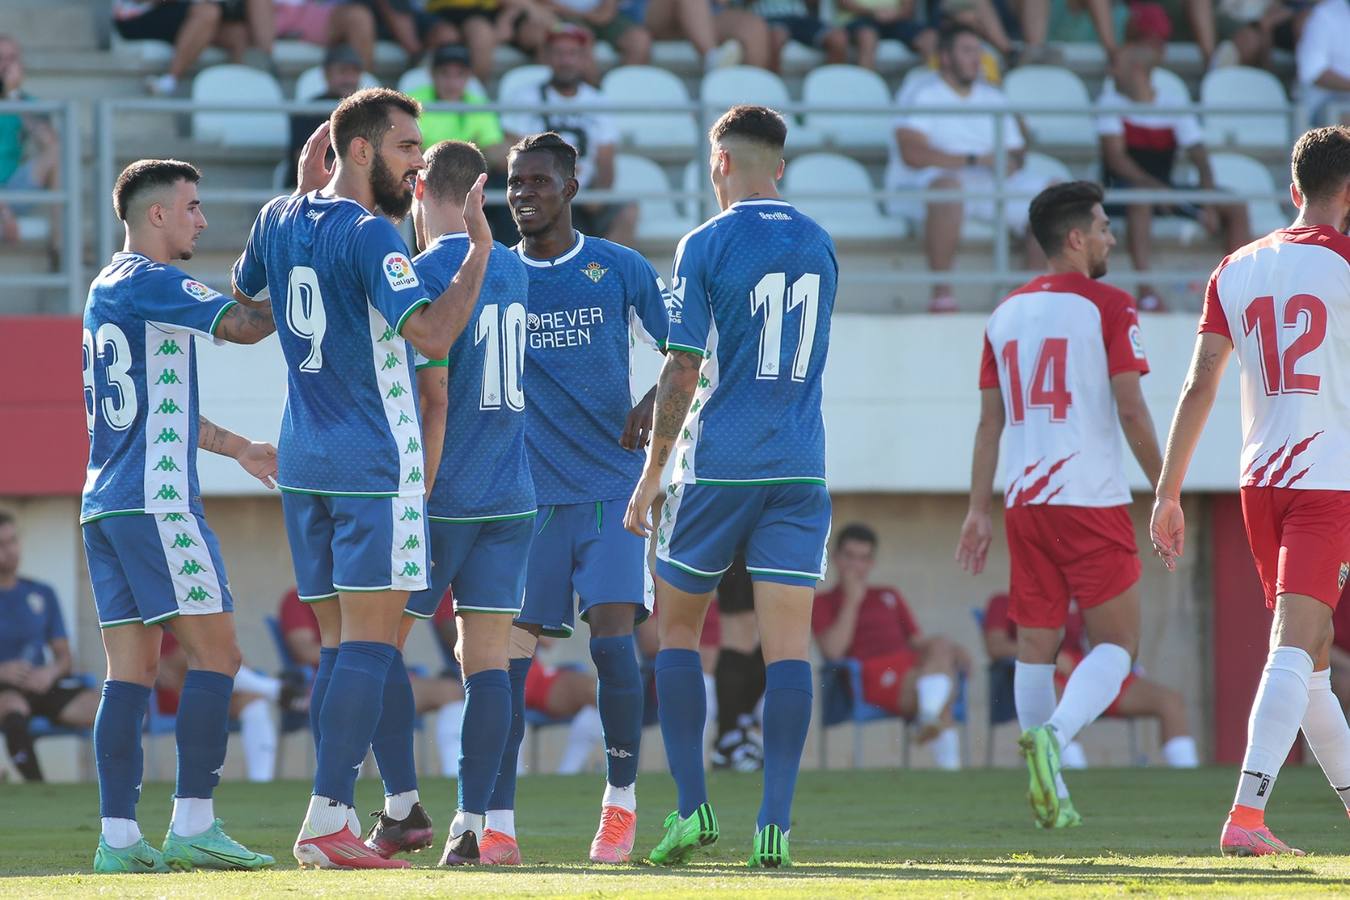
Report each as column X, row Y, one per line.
column 1148, row 22
column 342, row 54
column 450, row 53
column 564, row 31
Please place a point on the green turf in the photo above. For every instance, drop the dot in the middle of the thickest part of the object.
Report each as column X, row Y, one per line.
column 859, row 833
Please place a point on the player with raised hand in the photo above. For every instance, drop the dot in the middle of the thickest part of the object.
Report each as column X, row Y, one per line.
column 351, row 464
column 1061, row 367
column 738, row 406
column 1283, row 304
column 590, row 302
column 152, row 557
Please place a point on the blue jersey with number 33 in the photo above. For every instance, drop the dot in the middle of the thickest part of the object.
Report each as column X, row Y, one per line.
column 753, row 292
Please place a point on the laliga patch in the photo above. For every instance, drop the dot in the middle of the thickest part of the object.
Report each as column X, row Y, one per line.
column 398, row 271
column 1136, row 342
column 196, row 290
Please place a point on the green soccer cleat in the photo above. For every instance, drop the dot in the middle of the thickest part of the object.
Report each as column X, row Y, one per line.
column 212, row 849
column 1068, row 816
column 771, row 849
column 684, row 836
column 137, row 859
column 1040, row 746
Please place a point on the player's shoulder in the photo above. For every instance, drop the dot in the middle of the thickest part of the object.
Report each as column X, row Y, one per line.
column 1108, row 299
column 599, row 251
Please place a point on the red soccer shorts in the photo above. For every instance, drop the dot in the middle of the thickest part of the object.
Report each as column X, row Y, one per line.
column 1300, row 541
column 882, row 677
column 539, row 684
column 1059, row 552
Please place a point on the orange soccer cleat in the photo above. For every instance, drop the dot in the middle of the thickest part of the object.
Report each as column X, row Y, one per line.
column 614, row 840
column 498, row 848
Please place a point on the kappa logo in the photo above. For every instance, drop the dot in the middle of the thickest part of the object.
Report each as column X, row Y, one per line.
column 594, row 271
column 398, row 271
column 196, row 290
column 1344, row 574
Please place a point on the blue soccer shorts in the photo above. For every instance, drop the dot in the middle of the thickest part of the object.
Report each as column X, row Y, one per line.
column 483, row 561
column 783, row 528
column 151, row 567
column 583, row 550
column 355, row 543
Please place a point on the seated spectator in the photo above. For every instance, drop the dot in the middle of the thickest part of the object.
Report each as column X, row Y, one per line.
column 1251, row 29
column 481, row 25
column 869, row 22
column 981, row 17
column 189, row 26
column 721, row 31
column 1139, row 697
column 571, row 112
column 606, row 22
column 323, row 23
column 1323, row 59
column 943, row 151
column 35, row 664
column 342, row 78
column 404, row 22
column 800, row 21
column 30, row 153
column 1109, row 21
column 904, row 672
column 1139, row 150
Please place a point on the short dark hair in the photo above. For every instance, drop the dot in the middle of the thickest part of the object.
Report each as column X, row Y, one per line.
column 856, row 531
column 1320, row 163
column 1059, row 209
column 758, row 124
column 452, row 168
column 148, row 175
column 950, row 32
column 365, row 114
column 550, row 142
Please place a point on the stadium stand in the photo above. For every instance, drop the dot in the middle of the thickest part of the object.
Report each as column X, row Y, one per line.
column 311, row 83
column 1238, row 86
column 656, row 89
column 247, row 88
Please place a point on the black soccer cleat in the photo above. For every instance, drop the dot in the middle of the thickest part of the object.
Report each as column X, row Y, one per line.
column 461, row 850
column 411, row 834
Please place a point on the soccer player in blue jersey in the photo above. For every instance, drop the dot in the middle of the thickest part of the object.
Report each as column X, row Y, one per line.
column 343, row 286
column 590, row 301
column 152, row 558
column 738, row 408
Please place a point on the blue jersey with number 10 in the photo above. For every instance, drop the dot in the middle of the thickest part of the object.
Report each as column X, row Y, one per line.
column 753, row 292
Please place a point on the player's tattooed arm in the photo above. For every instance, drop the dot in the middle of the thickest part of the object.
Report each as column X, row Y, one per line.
column 246, row 323
column 674, row 394
column 257, row 458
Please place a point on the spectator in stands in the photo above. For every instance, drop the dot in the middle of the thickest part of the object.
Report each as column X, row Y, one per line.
column 800, row 21
column 1324, row 63
column 1251, row 29
column 1139, row 697
column 481, row 25
column 324, row 23
column 342, row 78
column 868, row 22
column 189, row 26
column 903, row 671
column 35, row 663
column 30, row 152
column 721, row 31
column 947, row 152
column 404, row 22
column 607, row 22
column 1110, row 19
column 570, row 110
column 1139, row 150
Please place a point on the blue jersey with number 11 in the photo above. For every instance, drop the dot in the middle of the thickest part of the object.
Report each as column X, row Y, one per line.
column 753, row 292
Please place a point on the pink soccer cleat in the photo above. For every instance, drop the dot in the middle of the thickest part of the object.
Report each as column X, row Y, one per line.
column 1238, row 841
column 340, row 850
column 614, row 840
column 498, row 849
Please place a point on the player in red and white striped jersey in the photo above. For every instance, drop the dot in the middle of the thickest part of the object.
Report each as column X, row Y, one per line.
column 1283, row 304
column 1061, row 369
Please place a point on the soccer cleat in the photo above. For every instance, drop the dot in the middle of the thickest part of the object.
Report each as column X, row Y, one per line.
column 137, row 859
column 462, row 850
column 614, row 839
column 212, row 849
column 1238, row 841
column 770, row 849
column 340, row 850
column 1040, row 747
column 684, row 836
column 411, row 834
column 1068, row 816
column 498, row 849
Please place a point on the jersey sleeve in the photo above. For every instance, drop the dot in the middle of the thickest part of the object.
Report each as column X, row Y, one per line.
column 56, row 623
column 386, row 272
column 1124, row 345
column 688, row 306
column 178, row 301
column 647, row 299
column 1213, row 320
column 988, row 366
column 823, row 612
column 250, row 270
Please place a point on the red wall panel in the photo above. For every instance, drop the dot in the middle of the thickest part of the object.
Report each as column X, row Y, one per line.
column 44, row 445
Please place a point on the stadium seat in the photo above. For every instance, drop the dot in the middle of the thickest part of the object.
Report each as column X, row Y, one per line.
column 894, row 55
column 1047, row 165
column 1238, row 86
column 841, row 701
column 698, row 185
column 247, row 88
column 659, row 219
column 311, row 83
column 913, row 77
column 518, row 79
column 676, row 55
column 855, row 86
column 1172, row 81
column 1249, row 178
column 1053, row 87
column 724, row 88
column 657, row 89
column 41, row 726
column 290, row 52
column 826, row 175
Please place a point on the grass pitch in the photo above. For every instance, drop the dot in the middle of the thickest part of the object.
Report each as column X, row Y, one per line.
column 864, row 834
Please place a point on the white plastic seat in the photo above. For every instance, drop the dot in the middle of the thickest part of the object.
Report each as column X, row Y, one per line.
column 812, row 182
column 249, row 89
column 311, row 83
column 1047, row 165
column 1171, row 81
column 659, row 218
column 515, row 80
column 1053, row 87
column 722, row 89
column 1247, row 177
column 1233, row 87
column 675, row 55
column 696, row 183
column 656, row 89
column 291, row 52
column 854, row 86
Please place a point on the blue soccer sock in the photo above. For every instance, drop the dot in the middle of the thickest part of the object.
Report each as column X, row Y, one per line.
column 683, row 707
column 787, row 716
column 323, row 675
column 349, row 715
column 201, row 731
column 487, row 727
column 393, row 743
column 504, row 788
column 117, row 748
column 619, row 698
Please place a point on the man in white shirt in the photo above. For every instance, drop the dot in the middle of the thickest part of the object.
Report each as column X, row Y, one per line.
column 571, row 111
column 946, row 151
column 1323, row 58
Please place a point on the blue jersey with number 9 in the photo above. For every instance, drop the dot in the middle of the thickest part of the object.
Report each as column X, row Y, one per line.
column 753, row 291
column 342, row 284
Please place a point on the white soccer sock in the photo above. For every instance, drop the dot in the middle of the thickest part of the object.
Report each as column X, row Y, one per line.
column 623, row 797
column 502, row 820
column 934, row 690
column 584, row 734
column 398, row 806
column 449, row 722
column 1034, row 696
column 710, row 698
column 466, row 822
column 1180, row 752
column 1328, row 734
column 1091, row 688
column 258, row 734
column 324, row 816
column 120, row 833
column 1277, row 714
column 946, row 748
column 192, row 815
column 247, row 681
column 1071, row 756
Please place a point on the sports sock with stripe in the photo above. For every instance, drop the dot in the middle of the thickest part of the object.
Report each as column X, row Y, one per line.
column 504, row 788
column 323, row 676
column 679, row 693
column 350, row 712
column 117, row 748
column 787, row 717
column 201, row 732
column 487, row 725
column 1094, row 684
column 618, row 696
column 393, row 741
column 1277, row 713
column 1328, row 734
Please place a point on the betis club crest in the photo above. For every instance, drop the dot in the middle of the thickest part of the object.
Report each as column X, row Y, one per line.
column 594, row 272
